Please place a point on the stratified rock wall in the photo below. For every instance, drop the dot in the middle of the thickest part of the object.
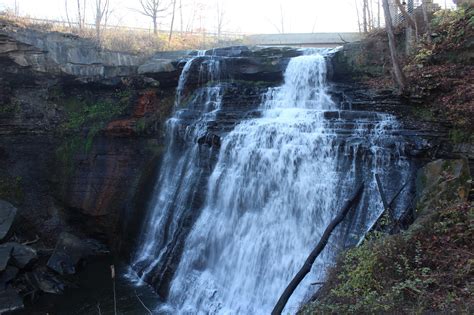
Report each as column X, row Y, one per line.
column 82, row 129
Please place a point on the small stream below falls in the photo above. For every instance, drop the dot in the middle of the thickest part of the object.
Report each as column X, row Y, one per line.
column 230, row 225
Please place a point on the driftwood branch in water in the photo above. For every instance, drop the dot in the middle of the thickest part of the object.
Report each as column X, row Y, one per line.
column 390, row 204
column 386, row 205
column 351, row 203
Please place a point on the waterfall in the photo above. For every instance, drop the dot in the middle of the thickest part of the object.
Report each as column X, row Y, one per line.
column 278, row 182
column 182, row 174
column 226, row 238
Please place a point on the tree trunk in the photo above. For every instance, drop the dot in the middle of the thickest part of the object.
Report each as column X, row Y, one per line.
column 358, row 16
column 98, row 19
column 282, row 19
column 79, row 18
column 155, row 26
column 364, row 15
column 378, row 13
column 426, row 20
column 369, row 15
column 350, row 204
column 181, row 16
column 399, row 76
column 172, row 21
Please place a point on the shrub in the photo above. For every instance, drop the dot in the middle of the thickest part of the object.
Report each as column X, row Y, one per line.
column 421, row 271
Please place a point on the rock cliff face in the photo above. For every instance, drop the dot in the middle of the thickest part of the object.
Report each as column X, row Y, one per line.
column 360, row 72
column 82, row 130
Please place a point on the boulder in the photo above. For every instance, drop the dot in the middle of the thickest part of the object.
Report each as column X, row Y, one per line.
column 45, row 281
column 442, row 181
column 7, row 215
column 10, row 301
column 5, row 254
column 7, row 275
column 21, row 255
column 70, row 250
column 157, row 65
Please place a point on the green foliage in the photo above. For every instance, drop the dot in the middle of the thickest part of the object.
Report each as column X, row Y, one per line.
column 84, row 123
column 123, row 95
column 66, row 151
column 10, row 108
column 423, row 113
column 443, row 18
column 453, row 26
column 93, row 114
column 11, row 188
column 427, row 270
column 460, row 136
column 141, row 125
column 423, row 55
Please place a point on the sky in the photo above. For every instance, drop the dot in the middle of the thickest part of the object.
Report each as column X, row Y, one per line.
column 242, row 16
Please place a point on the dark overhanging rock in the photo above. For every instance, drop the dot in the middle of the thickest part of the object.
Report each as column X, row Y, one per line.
column 5, row 254
column 70, row 250
column 10, row 301
column 45, row 281
column 8, row 275
column 7, row 215
column 21, row 255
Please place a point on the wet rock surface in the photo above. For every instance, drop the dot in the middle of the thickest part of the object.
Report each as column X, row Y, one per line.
column 45, row 281
column 21, row 255
column 7, row 215
column 7, row 276
column 70, row 250
column 442, row 181
column 29, row 269
column 10, row 301
column 5, row 254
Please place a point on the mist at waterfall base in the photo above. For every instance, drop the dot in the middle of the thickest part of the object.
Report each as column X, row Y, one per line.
column 278, row 181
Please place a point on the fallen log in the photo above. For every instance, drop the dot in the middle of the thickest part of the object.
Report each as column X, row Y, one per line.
column 351, row 203
column 386, row 205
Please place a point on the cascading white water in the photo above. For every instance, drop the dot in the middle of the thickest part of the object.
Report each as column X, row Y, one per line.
column 278, row 182
column 181, row 173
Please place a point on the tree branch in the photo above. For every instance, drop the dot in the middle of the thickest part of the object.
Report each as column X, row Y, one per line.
column 350, row 204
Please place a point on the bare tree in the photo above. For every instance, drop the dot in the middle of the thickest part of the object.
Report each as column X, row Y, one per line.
column 378, row 13
column 172, row 21
column 364, row 15
column 280, row 27
column 424, row 5
column 102, row 10
column 282, row 19
column 153, row 9
column 80, row 18
column 358, row 16
column 399, row 76
column 67, row 14
column 370, row 23
column 192, row 18
column 17, row 8
column 181, row 16
column 81, row 14
column 221, row 15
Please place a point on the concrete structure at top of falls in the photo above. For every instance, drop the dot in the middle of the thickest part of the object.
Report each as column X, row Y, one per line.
column 279, row 179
